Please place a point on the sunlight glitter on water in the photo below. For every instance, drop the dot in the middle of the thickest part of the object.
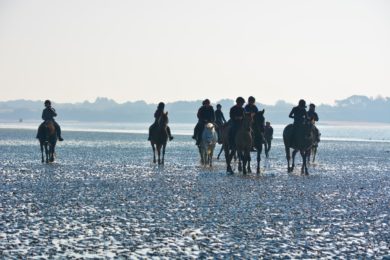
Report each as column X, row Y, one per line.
column 104, row 198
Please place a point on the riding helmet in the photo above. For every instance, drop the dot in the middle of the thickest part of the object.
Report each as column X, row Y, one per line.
column 206, row 101
column 312, row 105
column 251, row 99
column 219, row 106
column 240, row 100
column 161, row 105
column 302, row 103
column 47, row 102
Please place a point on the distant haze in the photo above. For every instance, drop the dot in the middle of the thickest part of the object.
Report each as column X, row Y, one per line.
column 354, row 108
column 151, row 50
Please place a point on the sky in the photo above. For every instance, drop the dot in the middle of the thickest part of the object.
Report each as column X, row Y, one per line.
column 153, row 50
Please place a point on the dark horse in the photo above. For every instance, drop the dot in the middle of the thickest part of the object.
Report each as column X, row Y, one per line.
column 243, row 145
column 258, row 136
column 300, row 139
column 159, row 137
column 47, row 136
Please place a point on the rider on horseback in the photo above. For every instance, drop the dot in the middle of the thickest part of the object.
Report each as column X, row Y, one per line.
column 313, row 117
column 157, row 114
column 205, row 115
column 237, row 114
column 299, row 115
column 48, row 114
column 219, row 121
column 251, row 106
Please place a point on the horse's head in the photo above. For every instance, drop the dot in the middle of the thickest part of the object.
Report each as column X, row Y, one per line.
column 248, row 119
column 259, row 119
column 209, row 135
column 210, row 126
column 163, row 121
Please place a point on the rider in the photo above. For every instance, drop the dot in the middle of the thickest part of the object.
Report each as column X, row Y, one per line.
column 251, row 106
column 219, row 117
column 237, row 114
column 205, row 115
column 157, row 114
column 268, row 134
column 48, row 114
column 299, row 115
column 219, row 121
column 313, row 117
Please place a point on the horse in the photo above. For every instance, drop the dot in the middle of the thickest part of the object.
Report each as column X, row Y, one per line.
column 258, row 136
column 300, row 139
column 159, row 138
column 207, row 144
column 243, row 140
column 313, row 150
column 47, row 136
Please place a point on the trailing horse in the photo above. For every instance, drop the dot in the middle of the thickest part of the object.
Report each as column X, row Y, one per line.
column 299, row 139
column 243, row 145
column 159, row 138
column 207, row 144
column 47, row 136
column 258, row 136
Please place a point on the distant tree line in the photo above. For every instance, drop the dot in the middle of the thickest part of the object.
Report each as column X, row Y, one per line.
column 355, row 108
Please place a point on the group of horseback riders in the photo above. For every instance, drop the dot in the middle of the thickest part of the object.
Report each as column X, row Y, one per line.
column 206, row 114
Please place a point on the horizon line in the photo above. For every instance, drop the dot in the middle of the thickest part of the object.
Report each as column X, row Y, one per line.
column 182, row 100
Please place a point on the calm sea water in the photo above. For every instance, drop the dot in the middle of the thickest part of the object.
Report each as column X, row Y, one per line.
column 330, row 131
column 103, row 198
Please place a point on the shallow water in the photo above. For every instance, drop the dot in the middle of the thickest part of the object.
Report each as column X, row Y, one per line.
column 104, row 198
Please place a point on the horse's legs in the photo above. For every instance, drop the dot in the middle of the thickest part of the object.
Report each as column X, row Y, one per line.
column 293, row 159
column 51, row 153
column 41, row 144
column 288, row 157
column 239, row 154
column 314, row 153
column 258, row 159
column 220, row 152
column 211, row 156
column 247, row 155
column 163, row 153
column 228, row 158
column 154, row 152
column 304, row 165
column 158, row 147
column 46, row 153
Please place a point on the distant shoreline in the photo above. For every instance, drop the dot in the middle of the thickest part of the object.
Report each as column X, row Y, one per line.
column 331, row 131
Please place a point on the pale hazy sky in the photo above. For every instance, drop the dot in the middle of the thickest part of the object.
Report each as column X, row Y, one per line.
column 167, row 50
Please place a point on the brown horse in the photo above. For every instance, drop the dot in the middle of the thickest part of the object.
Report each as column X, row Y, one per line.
column 159, row 138
column 243, row 140
column 258, row 136
column 47, row 136
column 300, row 139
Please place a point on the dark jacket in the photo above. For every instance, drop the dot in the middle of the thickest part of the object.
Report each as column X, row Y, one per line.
column 235, row 112
column 299, row 114
column 206, row 114
column 158, row 113
column 312, row 115
column 251, row 108
column 219, row 117
column 48, row 113
column 268, row 132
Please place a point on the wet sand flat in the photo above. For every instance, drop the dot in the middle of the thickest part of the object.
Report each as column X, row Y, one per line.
column 104, row 198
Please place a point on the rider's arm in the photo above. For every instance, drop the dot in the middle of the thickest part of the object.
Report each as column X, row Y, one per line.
column 291, row 115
